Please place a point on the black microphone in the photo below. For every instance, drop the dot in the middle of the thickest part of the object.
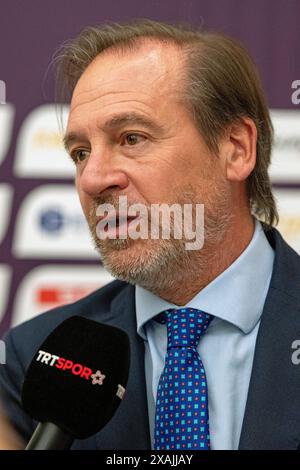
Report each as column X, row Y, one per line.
column 75, row 382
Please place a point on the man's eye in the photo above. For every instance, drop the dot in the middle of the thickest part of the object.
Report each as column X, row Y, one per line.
column 133, row 139
column 79, row 155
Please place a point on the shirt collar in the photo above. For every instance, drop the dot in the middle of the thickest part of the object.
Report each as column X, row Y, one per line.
column 237, row 295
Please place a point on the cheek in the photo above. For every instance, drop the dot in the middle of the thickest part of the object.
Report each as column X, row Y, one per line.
column 84, row 199
column 156, row 178
column 155, row 185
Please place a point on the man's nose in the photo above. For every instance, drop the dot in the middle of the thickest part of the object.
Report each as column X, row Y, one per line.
column 100, row 173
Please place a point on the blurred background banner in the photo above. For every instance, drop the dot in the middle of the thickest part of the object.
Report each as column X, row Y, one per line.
column 46, row 255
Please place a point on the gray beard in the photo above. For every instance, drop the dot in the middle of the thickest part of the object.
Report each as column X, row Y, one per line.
column 164, row 265
column 155, row 269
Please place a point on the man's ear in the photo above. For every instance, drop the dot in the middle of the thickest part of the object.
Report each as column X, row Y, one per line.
column 239, row 149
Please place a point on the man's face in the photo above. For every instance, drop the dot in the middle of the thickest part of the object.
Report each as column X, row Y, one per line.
column 131, row 135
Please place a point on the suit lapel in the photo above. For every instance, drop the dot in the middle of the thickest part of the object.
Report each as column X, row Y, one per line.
column 129, row 428
column 272, row 415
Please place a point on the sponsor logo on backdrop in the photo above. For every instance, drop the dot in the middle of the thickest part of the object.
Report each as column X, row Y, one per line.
column 48, row 296
column 285, row 167
column 5, row 281
column 49, row 286
column 50, row 224
column 54, row 220
column 40, row 152
column 7, row 112
column 288, row 202
column 6, row 197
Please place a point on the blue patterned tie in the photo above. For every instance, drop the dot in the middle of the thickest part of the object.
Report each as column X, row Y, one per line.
column 181, row 420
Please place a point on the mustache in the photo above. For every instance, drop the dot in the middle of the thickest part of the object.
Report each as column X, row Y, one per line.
column 114, row 202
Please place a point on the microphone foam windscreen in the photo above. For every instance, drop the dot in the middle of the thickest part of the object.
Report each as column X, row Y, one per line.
column 78, row 376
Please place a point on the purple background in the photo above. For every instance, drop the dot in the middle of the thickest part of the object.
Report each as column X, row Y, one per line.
column 31, row 31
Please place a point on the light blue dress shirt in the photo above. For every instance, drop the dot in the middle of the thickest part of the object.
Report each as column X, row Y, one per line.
column 236, row 299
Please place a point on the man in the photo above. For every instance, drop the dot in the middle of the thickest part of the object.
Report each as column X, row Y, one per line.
column 169, row 115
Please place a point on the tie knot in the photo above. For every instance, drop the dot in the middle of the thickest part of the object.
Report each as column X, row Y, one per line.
column 185, row 326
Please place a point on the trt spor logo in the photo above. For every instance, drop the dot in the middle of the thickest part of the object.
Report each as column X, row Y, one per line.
column 64, row 364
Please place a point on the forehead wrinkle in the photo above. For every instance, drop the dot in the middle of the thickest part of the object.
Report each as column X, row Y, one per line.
column 167, row 69
column 138, row 110
column 135, row 106
column 115, row 78
column 156, row 87
column 89, row 100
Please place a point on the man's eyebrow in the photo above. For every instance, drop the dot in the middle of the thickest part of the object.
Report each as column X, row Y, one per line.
column 72, row 137
column 115, row 122
column 120, row 120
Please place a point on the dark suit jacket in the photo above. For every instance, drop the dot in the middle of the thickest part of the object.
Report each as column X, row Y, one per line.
column 272, row 416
